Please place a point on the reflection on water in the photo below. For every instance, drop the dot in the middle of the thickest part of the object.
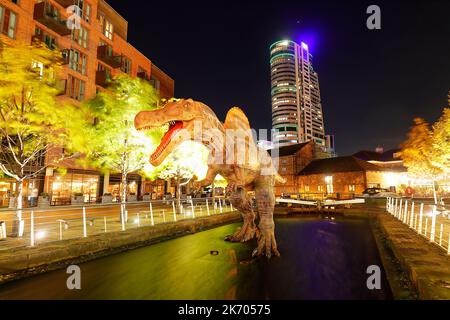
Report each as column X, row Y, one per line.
column 321, row 259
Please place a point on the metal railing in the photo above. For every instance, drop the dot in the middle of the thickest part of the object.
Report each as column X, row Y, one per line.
column 56, row 224
column 427, row 220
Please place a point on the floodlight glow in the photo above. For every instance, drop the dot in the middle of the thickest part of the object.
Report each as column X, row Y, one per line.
column 304, row 46
column 40, row 235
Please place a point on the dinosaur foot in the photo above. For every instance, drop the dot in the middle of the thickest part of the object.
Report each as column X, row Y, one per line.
column 267, row 245
column 244, row 234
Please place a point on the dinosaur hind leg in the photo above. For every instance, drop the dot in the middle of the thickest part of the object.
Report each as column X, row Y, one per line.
column 265, row 201
column 242, row 202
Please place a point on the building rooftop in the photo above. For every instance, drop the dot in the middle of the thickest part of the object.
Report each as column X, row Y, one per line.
column 378, row 156
column 290, row 150
column 339, row 164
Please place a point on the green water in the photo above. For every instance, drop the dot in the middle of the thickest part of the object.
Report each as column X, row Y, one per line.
column 321, row 259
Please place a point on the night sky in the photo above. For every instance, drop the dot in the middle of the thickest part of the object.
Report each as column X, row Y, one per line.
column 373, row 83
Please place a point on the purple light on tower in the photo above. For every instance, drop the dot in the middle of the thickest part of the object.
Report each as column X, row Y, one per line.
column 304, row 46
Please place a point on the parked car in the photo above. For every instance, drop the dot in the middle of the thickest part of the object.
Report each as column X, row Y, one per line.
column 378, row 193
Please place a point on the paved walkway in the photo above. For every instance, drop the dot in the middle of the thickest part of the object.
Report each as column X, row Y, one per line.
column 67, row 222
column 427, row 264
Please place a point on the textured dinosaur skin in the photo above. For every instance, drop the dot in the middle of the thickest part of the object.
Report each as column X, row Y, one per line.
column 249, row 175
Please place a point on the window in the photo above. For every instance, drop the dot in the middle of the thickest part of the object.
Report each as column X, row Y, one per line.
column 126, row 65
column 48, row 39
column 351, row 188
column 38, row 66
column 320, row 188
column 307, row 188
column 75, row 88
column 81, row 36
column 8, row 22
column 329, row 182
column 107, row 27
column 77, row 61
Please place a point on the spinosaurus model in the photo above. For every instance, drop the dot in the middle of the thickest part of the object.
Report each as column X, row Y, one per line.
column 230, row 158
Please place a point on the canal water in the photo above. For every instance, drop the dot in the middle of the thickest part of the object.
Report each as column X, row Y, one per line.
column 321, row 259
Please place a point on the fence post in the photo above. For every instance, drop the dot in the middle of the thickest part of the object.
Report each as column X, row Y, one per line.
column 220, row 205
column 426, row 227
column 441, row 234
column 151, row 215
column 411, row 221
column 104, row 221
column 193, row 211
column 395, row 209
column 448, row 244
column 207, row 206
column 231, row 206
column 420, row 218
column 32, row 229
column 433, row 225
column 387, row 203
column 164, row 215
column 60, row 230
column 400, row 210
column 174, row 212
column 122, row 217
column 84, row 222
column 405, row 214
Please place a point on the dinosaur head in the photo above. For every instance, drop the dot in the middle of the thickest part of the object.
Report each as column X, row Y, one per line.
column 179, row 117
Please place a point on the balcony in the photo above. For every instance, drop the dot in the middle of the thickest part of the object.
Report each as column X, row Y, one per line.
column 101, row 78
column 106, row 55
column 66, row 3
column 143, row 75
column 50, row 20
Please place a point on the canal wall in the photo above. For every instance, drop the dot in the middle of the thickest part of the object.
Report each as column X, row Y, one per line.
column 26, row 261
column 427, row 266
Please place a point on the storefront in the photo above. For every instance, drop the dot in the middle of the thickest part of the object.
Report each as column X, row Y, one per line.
column 115, row 182
column 62, row 188
column 8, row 189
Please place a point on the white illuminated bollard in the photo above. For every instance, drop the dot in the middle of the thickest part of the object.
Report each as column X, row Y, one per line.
column 32, row 229
column 400, row 210
column 84, row 223
column 426, row 227
column 411, row 221
column 231, row 206
column 220, row 205
column 420, row 218
column 441, row 234
column 192, row 207
column 104, row 223
column 433, row 225
column 396, row 207
column 174, row 212
column 138, row 220
column 207, row 207
column 164, row 215
column 152, row 221
column 387, row 203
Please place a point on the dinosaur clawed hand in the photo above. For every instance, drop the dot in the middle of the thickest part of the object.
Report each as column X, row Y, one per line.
column 267, row 245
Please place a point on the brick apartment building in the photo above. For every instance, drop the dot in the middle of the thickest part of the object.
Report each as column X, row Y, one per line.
column 94, row 53
column 292, row 159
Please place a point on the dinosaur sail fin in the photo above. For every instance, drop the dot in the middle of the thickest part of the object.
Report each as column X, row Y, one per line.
column 236, row 119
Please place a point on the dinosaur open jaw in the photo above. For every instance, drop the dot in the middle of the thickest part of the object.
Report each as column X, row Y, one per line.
column 174, row 127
